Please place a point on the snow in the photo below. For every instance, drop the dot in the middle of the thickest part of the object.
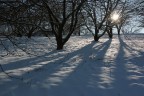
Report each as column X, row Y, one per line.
column 84, row 68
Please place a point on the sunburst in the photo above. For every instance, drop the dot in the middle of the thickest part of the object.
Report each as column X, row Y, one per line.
column 115, row 17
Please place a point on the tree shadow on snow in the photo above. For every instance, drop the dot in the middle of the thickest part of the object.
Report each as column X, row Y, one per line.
column 56, row 73
column 97, row 69
column 125, row 73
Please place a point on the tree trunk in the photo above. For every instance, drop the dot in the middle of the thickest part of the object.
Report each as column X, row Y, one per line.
column 110, row 34
column 79, row 33
column 29, row 34
column 119, row 30
column 59, row 43
column 59, row 46
column 96, row 37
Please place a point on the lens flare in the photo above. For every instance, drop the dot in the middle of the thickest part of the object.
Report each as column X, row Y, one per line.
column 115, row 17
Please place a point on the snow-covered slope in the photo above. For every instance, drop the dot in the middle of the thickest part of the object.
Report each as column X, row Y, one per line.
column 84, row 68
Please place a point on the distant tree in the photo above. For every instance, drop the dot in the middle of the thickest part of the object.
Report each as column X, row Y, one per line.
column 18, row 18
column 17, row 15
column 139, row 9
column 129, row 16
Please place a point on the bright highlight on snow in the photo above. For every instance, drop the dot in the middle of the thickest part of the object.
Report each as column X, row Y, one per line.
column 115, row 17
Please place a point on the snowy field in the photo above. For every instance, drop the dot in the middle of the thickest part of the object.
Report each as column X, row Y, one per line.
column 84, row 68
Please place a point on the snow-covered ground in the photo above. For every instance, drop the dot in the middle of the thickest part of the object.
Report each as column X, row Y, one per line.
column 84, row 68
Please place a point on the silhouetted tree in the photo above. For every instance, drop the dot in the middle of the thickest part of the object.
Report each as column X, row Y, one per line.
column 63, row 16
column 98, row 16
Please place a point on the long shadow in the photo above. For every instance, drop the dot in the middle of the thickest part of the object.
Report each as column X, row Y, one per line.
column 135, row 69
column 64, row 75
column 122, row 82
column 50, row 67
column 83, row 75
column 129, row 46
column 25, row 76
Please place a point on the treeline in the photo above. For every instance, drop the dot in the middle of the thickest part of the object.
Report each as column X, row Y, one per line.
column 63, row 18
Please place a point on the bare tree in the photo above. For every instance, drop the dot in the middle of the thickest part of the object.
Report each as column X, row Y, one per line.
column 139, row 9
column 126, row 12
column 98, row 16
column 63, row 16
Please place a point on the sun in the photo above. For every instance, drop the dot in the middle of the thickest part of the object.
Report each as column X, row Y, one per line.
column 115, row 17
